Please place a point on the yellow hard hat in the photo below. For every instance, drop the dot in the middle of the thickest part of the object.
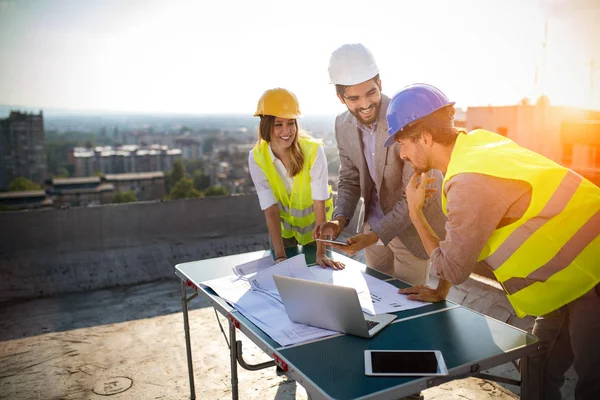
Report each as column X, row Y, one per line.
column 278, row 102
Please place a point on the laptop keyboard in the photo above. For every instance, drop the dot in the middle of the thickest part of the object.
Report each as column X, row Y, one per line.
column 371, row 324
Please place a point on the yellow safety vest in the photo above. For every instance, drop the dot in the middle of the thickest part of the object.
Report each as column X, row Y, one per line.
column 296, row 210
column 551, row 255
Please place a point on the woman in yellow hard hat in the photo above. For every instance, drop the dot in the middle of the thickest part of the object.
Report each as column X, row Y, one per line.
column 289, row 171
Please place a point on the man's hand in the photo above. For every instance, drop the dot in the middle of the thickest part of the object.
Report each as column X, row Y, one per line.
column 357, row 243
column 417, row 191
column 325, row 262
column 424, row 293
column 333, row 228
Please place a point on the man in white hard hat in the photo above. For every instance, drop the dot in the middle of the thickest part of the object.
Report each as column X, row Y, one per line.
column 378, row 174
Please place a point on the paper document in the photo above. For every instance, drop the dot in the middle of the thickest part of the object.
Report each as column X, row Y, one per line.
column 255, row 295
column 269, row 315
column 253, row 266
column 264, row 307
column 230, row 288
column 294, row 267
column 375, row 296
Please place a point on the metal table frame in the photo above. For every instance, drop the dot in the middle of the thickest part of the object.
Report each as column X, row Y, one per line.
column 236, row 355
column 235, row 346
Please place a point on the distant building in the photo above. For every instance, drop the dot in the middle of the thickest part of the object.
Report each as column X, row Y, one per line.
column 580, row 141
column 94, row 190
column 76, row 192
column 241, row 148
column 239, row 173
column 122, row 159
column 544, row 129
column 21, row 200
column 220, row 175
column 146, row 185
column 144, row 139
column 191, row 148
column 460, row 118
column 22, row 148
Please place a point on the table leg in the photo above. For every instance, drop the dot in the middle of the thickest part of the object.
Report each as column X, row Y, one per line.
column 188, row 346
column 233, row 359
column 528, row 392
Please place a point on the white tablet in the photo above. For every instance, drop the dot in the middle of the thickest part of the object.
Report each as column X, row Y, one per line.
column 404, row 363
column 333, row 242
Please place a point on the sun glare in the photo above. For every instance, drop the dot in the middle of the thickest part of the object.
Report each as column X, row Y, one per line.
column 215, row 57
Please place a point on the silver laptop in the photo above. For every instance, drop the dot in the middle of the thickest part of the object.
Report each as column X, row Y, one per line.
column 328, row 306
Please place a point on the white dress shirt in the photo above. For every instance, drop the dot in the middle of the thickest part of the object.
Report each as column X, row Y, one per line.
column 318, row 178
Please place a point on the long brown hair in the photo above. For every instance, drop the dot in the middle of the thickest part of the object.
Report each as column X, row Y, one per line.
column 296, row 156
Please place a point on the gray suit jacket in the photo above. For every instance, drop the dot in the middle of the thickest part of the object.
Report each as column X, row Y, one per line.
column 392, row 175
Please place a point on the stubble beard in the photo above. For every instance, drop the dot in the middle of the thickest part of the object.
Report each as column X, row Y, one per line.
column 372, row 120
column 418, row 170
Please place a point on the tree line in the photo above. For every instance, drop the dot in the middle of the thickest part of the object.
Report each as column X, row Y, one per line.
column 188, row 180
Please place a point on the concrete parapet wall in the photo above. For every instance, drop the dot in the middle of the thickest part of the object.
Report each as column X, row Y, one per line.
column 49, row 252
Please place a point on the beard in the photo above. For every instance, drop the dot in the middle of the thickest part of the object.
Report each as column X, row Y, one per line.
column 371, row 119
column 418, row 169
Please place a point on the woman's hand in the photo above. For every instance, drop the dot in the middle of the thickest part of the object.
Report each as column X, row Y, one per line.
column 325, row 262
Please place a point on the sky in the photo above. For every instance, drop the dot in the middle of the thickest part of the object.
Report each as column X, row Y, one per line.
column 207, row 57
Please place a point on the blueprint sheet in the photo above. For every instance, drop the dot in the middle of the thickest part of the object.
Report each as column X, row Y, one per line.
column 251, row 290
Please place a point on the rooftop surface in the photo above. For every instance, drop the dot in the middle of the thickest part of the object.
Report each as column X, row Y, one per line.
column 86, row 335
column 74, row 346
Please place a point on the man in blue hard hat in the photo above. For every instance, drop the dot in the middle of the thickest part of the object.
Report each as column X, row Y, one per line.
column 532, row 222
column 376, row 174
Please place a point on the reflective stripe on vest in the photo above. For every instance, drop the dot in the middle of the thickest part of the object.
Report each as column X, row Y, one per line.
column 294, row 212
column 584, row 236
column 296, row 209
column 302, row 230
column 549, row 256
column 555, row 205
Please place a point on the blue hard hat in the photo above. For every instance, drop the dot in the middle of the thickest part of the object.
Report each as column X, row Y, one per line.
column 410, row 104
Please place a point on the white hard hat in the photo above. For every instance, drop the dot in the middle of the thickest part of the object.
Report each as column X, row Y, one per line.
column 352, row 64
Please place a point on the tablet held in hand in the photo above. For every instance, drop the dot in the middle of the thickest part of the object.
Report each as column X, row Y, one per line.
column 333, row 242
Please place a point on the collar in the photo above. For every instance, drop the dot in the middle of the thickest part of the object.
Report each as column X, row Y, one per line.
column 366, row 128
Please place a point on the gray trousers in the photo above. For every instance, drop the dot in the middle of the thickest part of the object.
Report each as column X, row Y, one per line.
column 397, row 261
column 568, row 336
